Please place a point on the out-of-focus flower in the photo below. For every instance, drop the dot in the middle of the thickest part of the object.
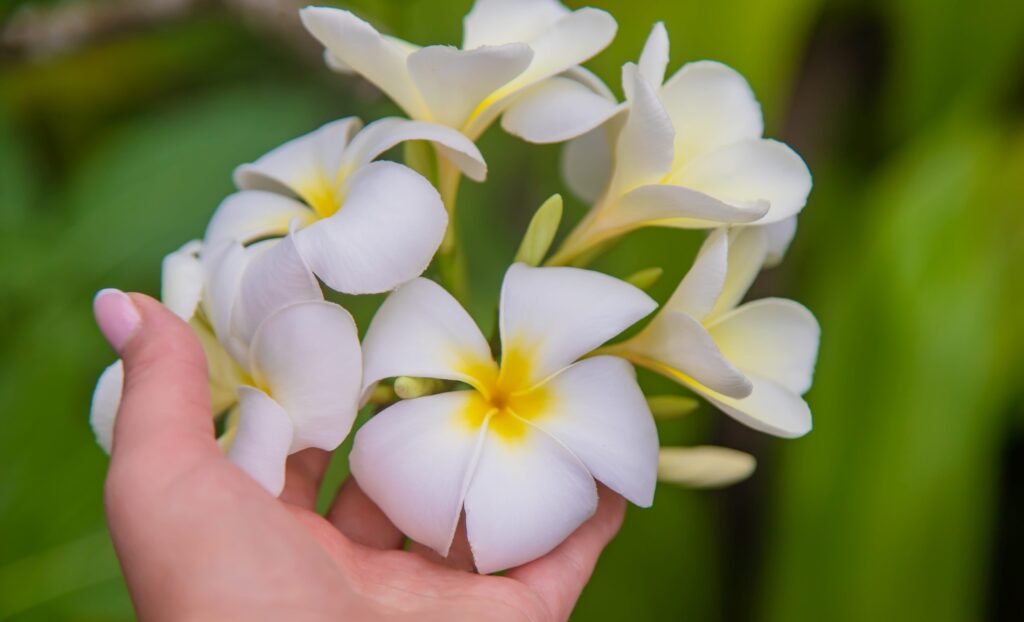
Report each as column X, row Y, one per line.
column 521, row 448
column 752, row 361
column 508, row 45
column 362, row 226
column 283, row 362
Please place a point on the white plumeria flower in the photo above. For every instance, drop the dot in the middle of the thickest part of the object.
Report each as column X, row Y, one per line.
column 752, row 361
column 285, row 362
column 508, row 45
column 362, row 226
column 520, row 450
column 686, row 153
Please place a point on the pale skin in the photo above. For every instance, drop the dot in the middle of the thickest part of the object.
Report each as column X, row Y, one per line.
column 198, row 540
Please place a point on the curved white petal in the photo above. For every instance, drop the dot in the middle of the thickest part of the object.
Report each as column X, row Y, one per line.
column 386, row 232
column 262, row 440
column 654, row 57
column 752, row 171
column 711, row 106
column 359, row 47
column 181, row 280
column 254, row 214
column 496, row 22
column 770, row 408
column 307, row 357
column 299, row 166
column 106, row 399
column 587, row 164
column 748, row 247
column 702, row 285
column 644, row 152
column 676, row 345
column 556, row 110
column 590, row 80
column 224, row 265
column 421, row 330
column 415, row 459
column 772, row 338
column 553, row 316
column 676, row 206
column 704, row 466
column 526, row 496
column 596, row 409
column 780, row 234
column 275, row 277
column 455, row 82
column 381, row 135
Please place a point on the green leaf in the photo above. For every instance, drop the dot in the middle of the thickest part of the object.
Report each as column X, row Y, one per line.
column 646, row 278
column 541, row 232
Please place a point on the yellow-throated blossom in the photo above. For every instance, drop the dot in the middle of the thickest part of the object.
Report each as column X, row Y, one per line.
column 520, row 449
column 362, row 226
column 687, row 152
column 508, row 45
column 753, row 361
column 284, row 362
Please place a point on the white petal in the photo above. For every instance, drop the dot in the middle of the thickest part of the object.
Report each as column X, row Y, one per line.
column 748, row 247
column 358, row 46
column 770, row 408
column 261, row 441
column 553, row 316
column 275, row 277
column 254, row 214
column 751, row 171
column 704, row 466
column 381, row 135
column 298, row 166
column 773, row 338
column 644, row 152
column 421, row 330
column 496, row 22
column 455, row 82
column 702, row 285
column 556, row 110
column 415, row 459
column 224, row 265
column 590, row 80
column 676, row 345
column 106, row 399
column 654, row 57
column 711, row 106
column 181, row 280
column 675, row 206
column 385, row 234
column 587, row 164
column 780, row 235
column 307, row 356
column 527, row 495
column 596, row 409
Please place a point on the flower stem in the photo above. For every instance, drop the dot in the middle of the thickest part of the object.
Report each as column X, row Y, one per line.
column 450, row 260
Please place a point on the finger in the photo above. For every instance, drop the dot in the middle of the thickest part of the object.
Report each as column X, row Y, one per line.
column 304, row 473
column 360, row 520
column 460, row 556
column 559, row 577
column 165, row 413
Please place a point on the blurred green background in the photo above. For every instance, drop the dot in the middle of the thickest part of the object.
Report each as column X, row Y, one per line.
column 120, row 123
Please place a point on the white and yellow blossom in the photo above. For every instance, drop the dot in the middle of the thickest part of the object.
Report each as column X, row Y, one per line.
column 284, row 362
column 508, row 45
column 520, row 449
column 362, row 226
column 753, row 361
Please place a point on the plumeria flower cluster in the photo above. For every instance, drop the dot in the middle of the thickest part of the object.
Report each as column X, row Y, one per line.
column 511, row 433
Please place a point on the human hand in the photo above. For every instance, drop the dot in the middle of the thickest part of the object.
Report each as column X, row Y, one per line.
column 199, row 540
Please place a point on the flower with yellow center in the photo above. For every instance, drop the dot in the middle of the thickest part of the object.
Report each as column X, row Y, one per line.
column 363, row 226
column 518, row 450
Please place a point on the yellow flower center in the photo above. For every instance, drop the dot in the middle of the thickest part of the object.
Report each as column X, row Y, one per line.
column 505, row 401
column 322, row 195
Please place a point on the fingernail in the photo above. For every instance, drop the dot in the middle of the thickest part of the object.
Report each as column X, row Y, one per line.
column 116, row 315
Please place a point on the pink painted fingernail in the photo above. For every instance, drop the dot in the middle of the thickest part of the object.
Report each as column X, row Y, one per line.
column 116, row 315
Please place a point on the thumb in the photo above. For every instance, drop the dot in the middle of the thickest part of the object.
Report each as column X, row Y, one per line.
column 165, row 415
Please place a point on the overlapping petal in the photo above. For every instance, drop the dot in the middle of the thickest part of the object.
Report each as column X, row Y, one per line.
column 701, row 288
column 252, row 215
column 383, row 134
column 181, row 280
column 770, row 408
column 262, row 439
column 496, row 22
column 644, row 152
column 586, row 164
column 748, row 247
column 556, row 110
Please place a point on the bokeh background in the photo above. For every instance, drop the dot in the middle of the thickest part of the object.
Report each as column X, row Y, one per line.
column 121, row 121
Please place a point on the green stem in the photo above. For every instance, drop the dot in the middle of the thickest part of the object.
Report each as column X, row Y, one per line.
column 450, row 260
